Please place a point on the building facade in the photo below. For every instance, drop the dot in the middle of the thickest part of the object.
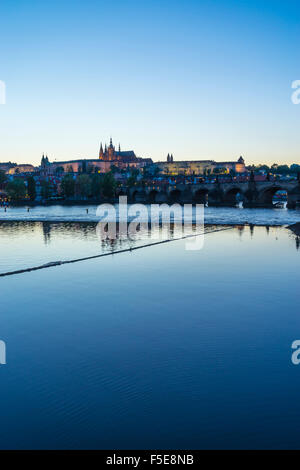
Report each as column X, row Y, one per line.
column 199, row 167
column 107, row 158
column 23, row 168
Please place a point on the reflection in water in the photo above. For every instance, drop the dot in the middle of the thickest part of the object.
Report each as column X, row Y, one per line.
column 241, row 229
column 101, row 351
column 26, row 244
column 46, row 231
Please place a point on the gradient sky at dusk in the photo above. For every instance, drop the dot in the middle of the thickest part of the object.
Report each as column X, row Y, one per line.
column 199, row 79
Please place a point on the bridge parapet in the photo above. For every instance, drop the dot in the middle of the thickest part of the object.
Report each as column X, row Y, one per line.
column 250, row 192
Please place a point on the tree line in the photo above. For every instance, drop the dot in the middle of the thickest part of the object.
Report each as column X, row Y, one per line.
column 276, row 169
column 85, row 186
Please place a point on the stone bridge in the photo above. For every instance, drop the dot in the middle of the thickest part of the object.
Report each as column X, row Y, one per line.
column 252, row 193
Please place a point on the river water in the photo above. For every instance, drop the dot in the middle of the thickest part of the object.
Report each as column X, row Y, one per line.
column 161, row 347
column 213, row 215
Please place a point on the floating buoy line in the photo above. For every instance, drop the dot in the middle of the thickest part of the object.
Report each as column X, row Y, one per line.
column 110, row 253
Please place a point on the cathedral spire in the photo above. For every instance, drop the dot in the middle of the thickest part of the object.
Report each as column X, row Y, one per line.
column 101, row 152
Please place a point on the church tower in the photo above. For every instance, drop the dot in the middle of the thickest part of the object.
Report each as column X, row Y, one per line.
column 101, row 152
column 111, row 151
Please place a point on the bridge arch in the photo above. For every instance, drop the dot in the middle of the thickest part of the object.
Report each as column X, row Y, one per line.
column 201, row 196
column 156, row 196
column 175, row 195
column 232, row 193
column 187, row 195
column 139, row 195
column 266, row 195
column 152, row 196
column 161, row 197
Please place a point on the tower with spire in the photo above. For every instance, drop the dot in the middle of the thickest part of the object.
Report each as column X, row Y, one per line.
column 101, row 152
column 111, row 154
column 111, row 151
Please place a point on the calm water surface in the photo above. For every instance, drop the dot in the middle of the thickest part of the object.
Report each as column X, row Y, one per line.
column 157, row 348
column 213, row 215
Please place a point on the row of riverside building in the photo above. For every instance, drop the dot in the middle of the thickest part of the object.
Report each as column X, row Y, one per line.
column 109, row 156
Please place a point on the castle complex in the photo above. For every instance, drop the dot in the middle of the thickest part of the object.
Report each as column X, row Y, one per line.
column 108, row 157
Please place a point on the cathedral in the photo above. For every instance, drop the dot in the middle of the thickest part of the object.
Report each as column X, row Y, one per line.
column 108, row 157
column 110, row 154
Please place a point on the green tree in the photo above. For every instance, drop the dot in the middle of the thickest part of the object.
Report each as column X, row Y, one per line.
column 114, row 169
column 46, row 189
column 264, row 168
column 295, row 168
column 68, row 186
column 109, row 185
column 16, row 189
column 3, row 177
column 96, row 185
column 283, row 169
column 31, row 188
column 83, row 185
column 132, row 178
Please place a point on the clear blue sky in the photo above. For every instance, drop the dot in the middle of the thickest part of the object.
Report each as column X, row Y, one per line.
column 199, row 79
